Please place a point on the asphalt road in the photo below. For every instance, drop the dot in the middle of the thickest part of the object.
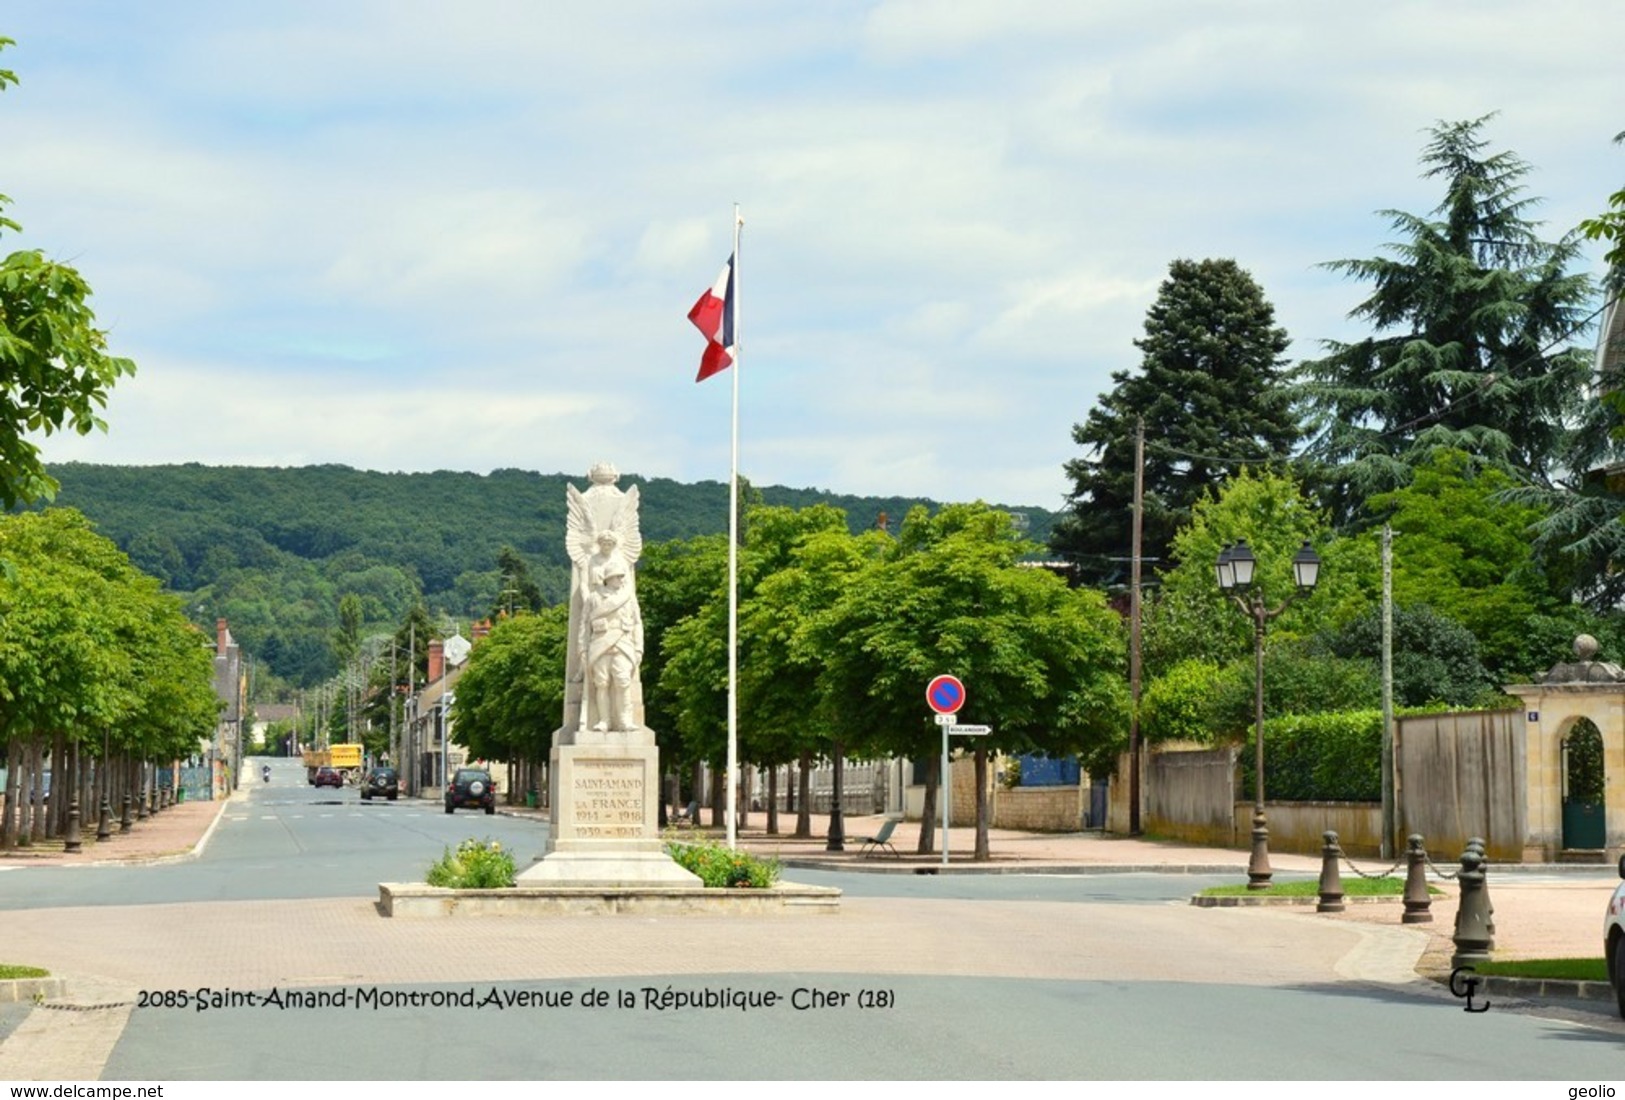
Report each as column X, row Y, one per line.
column 918, row 977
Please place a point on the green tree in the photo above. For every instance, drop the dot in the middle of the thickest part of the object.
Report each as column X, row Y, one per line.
column 55, row 370
column 1042, row 663
column 510, row 698
column 1610, row 226
column 1472, row 314
column 91, row 651
column 1210, row 391
column 1463, row 550
column 1189, row 618
column 518, row 592
column 1435, row 659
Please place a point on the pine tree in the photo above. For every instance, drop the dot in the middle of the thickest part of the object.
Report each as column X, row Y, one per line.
column 1472, row 314
column 1210, row 390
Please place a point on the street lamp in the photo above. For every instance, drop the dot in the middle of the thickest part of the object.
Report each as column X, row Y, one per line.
column 1235, row 571
column 445, row 737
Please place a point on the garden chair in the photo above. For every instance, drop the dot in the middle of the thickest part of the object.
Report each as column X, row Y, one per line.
column 880, row 842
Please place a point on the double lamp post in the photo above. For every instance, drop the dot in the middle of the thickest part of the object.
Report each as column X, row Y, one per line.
column 1236, row 569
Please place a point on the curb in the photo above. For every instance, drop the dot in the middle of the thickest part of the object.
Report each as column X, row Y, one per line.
column 1232, row 901
column 15, row 990
column 876, row 868
column 1566, row 988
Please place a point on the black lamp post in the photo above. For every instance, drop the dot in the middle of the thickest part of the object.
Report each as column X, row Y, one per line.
column 1235, row 572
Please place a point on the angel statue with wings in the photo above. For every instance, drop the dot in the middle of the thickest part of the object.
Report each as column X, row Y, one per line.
column 606, row 626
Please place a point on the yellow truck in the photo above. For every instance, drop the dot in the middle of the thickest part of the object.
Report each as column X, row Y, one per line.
column 344, row 759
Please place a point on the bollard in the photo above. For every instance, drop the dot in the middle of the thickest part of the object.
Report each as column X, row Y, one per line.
column 1418, row 903
column 72, row 841
column 1331, row 879
column 124, row 821
column 104, row 820
column 1473, row 937
column 1476, row 843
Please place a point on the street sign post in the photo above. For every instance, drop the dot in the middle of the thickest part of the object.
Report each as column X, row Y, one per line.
column 946, row 694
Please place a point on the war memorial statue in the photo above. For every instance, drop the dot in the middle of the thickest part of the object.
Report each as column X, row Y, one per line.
column 605, row 773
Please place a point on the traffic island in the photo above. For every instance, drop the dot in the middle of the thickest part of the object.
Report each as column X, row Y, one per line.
column 416, row 899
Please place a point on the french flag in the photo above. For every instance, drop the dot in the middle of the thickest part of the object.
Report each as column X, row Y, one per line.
column 713, row 315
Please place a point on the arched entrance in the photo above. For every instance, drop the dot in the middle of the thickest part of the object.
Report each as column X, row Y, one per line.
column 1583, row 786
column 1575, row 790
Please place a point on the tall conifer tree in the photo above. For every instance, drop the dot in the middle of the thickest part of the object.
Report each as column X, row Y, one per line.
column 1472, row 318
column 1210, row 389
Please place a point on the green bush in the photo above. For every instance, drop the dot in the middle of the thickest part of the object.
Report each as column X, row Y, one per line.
column 476, row 865
column 1295, row 682
column 1178, row 705
column 719, row 866
column 1320, row 758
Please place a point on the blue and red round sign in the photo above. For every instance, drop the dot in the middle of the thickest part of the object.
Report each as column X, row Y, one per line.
column 945, row 694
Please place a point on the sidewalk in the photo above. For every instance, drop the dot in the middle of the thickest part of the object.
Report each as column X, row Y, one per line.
column 172, row 833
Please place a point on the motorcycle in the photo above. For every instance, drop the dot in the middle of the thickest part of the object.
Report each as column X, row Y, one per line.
column 265, row 773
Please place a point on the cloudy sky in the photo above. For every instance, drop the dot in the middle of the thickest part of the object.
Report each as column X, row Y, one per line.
column 412, row 235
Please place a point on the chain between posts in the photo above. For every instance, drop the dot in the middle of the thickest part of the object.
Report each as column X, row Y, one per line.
column 1442, row 874
column 1434, row 867
column 1380, row 874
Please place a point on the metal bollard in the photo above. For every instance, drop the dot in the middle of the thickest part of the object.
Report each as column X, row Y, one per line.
column 104, row 820
column 1418, row 903
column 1476, row 843
column 73, row 841
column 1331, row 879
column 124, row 820
column 1474, row 937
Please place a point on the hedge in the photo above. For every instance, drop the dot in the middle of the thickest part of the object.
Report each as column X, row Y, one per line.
column 1334, row 757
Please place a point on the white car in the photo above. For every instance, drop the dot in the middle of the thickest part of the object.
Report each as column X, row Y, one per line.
column 1613, row 939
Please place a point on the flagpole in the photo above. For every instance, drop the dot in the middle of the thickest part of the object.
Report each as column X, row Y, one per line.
column 733, row 560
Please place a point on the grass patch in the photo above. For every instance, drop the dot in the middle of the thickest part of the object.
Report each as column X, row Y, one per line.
column 1310, row 888
column 10, row 970
column 1576, row 970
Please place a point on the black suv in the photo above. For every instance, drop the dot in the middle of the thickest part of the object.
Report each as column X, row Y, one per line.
column 382, row 781
column 471, row 787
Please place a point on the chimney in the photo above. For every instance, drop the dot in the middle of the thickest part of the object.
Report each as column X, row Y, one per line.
column 437, row 659
column 222, row 637
column 478, row 630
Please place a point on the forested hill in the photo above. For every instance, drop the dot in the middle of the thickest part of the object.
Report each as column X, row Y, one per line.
column 274, row 549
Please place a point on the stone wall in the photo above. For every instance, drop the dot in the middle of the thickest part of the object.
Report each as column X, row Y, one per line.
column 1030, row 809
column 1461, row 776
column 1189, row 794
column 1298, row 827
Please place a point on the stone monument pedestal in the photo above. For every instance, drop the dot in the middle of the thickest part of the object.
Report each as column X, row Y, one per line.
column 605, row 814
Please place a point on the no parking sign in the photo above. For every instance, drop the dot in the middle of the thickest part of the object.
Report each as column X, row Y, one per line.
column 945, row 693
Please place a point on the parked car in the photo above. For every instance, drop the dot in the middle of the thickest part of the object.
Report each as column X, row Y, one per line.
column 328, row 777
column 1613, row 939
column 471, row 787
column 381, row 781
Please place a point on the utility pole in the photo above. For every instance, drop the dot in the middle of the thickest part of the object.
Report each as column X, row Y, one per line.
column 1390, row 830
column 1134, row 631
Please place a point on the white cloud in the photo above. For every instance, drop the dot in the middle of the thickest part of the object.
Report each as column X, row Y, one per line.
column 486, row 221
